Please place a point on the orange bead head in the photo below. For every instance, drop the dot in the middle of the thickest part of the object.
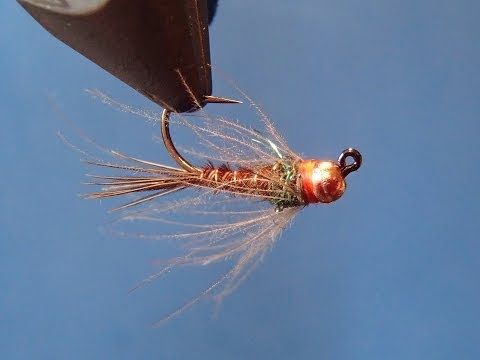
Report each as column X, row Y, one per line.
column 320, row 181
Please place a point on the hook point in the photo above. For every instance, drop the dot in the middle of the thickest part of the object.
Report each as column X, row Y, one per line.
column 219, row 100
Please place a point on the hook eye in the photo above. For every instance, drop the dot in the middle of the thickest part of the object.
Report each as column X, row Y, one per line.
column 347, row 168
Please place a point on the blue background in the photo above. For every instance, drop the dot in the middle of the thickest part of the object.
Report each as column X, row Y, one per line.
column 391, row 271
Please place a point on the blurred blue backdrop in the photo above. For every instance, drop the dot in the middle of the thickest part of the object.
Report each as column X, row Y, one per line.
column 391, row 271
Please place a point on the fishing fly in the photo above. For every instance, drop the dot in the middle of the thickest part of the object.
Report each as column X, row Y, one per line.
column 249, row 189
